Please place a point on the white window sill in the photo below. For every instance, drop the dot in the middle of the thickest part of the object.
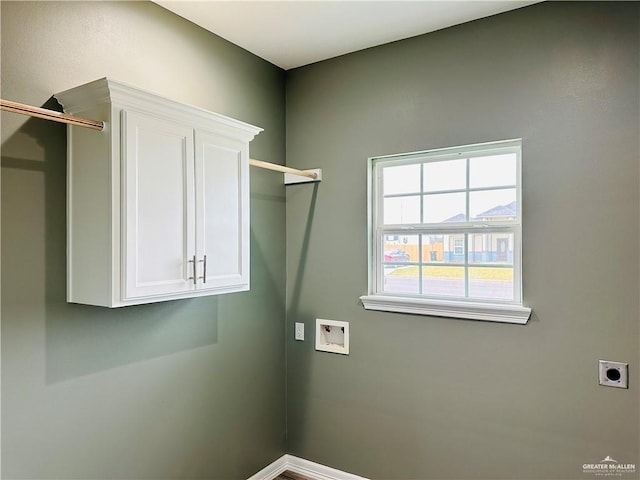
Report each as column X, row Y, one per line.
column 490, row 312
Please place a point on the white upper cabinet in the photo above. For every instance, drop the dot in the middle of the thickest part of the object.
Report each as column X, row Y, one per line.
column 220, row 194
column 158, row 202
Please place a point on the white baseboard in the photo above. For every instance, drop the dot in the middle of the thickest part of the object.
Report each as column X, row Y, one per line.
column 316, row 471
column 312, row 470
column 272, row 470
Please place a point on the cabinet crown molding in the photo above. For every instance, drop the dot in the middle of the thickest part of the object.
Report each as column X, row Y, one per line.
column 109, row 91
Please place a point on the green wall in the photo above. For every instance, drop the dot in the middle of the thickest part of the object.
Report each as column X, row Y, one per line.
column 182, row 389
column 196, row 388
column 435, row 398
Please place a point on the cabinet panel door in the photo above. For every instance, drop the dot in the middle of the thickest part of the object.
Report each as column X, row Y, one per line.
column 222, row 212
column 158, row 214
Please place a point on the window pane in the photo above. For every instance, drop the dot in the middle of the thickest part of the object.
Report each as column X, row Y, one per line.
column 491, row 248
column 496, row 205
column 403, row 179
column 443, row 281
column 400, row 249
column 445, row 208
column 491, row 282
column 454, row 248
column 401, row 279
column 450, row 175
column 492, row 171
column 401, row 210
column 432, row 248
column 443, row 248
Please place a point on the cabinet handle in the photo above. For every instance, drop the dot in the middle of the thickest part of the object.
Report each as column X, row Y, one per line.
column 194, row 278
column 204, row 269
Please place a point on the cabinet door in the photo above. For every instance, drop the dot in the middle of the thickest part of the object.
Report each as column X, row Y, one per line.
column 222, row 212
column 158, row 200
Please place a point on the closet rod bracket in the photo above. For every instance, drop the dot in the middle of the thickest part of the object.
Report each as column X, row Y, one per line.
column 292, row 178
column 291, row 175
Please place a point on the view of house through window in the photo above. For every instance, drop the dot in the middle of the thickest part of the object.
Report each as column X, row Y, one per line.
column 446, row 224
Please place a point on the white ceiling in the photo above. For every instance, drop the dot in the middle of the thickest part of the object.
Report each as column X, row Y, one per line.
column 295, row 33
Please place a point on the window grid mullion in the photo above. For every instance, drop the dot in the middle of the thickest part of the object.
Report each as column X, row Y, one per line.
column 420, row 265
column 420, row 291
column 422, row 193
column 466, row 235
column 510, row 228
column 468, row 215
column 454, row 190
column 379, row 264
column 466, row 265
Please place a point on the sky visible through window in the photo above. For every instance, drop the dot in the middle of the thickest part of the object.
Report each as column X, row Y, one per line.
column 441, row 191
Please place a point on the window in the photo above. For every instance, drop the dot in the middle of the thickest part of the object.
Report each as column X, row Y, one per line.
column 445, row 233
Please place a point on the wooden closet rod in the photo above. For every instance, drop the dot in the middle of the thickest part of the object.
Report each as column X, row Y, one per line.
column 38, row 112
column 16, row 107
column 282, row 168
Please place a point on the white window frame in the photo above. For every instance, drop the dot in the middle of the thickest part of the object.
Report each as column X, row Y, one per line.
column 466, row 308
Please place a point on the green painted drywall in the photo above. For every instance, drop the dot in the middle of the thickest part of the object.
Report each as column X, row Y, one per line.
column 182, row 389
column 434, row 398
column 196, row 388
